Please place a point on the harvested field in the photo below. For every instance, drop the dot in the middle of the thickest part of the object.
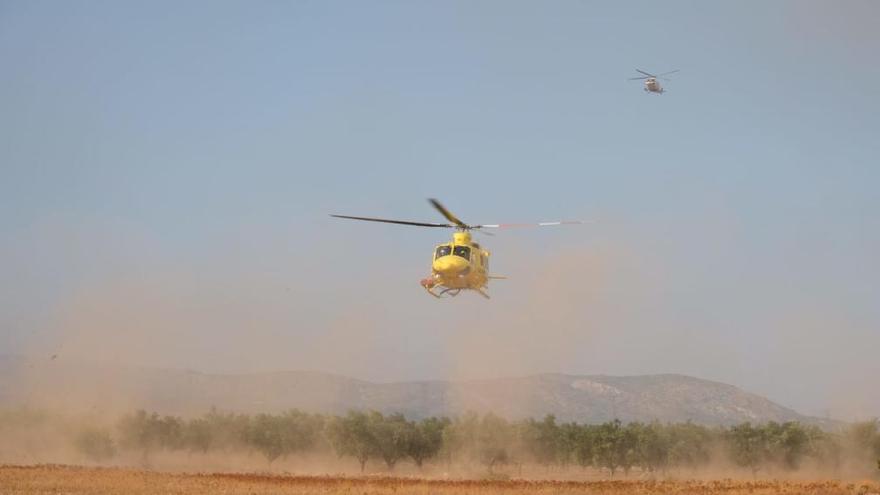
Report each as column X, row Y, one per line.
column 45, row 479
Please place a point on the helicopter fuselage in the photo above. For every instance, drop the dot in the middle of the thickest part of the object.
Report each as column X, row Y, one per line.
column 460, row 264
column 652, row 86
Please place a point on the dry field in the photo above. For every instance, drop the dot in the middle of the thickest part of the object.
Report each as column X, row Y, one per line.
column 52, row 479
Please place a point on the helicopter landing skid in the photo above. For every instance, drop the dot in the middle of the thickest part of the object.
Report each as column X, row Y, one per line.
column 449, row 292
column 429, row 285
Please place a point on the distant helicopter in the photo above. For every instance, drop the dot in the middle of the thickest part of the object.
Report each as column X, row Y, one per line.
column 651, row 84
column 462, row 263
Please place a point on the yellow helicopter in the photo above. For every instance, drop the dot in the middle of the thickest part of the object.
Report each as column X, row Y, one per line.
column 460, row 264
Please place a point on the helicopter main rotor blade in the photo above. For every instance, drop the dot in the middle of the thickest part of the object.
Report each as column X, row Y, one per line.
column 667, row 73
column 645, row 73
column 448, row 214
column 636, row 78
column 399, row 222
column 519, row 225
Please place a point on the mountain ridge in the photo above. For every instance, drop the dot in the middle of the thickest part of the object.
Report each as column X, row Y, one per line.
column 666, row 397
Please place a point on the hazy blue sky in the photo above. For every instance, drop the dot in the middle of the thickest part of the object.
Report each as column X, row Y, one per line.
column 166, row 170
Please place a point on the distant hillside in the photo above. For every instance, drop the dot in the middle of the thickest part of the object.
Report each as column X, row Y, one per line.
column 58, row 384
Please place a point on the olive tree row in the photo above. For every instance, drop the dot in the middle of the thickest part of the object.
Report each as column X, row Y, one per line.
column 492, row 441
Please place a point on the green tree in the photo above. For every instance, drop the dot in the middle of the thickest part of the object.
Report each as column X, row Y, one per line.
column 95, row 444
column 749, row 446
column 689, row 445
column 789, row 443
column 609, row 445
column 542, row 439
column 300, row 431
column 227, row 431
column 826, row 448
column 575, row 444
column 198, row 435
column 391, row 436
column 266, row 435
column 460, row 437
column 150, row 432
column 863, row 440
column 585, row 438
column 281, row 435
column 627, row 448
column 652, row 446
column 352, row 435
column 426, row 439
column 494, row 438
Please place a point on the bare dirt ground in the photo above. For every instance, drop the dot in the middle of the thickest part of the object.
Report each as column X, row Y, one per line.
column 57, row 479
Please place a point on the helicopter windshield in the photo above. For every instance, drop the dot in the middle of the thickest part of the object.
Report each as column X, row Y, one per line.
column 442, row 251
column 462, row 251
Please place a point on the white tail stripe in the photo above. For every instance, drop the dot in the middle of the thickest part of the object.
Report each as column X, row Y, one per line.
column 539, row 224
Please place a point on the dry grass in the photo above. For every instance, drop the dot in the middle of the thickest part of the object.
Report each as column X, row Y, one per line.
column 53, row 479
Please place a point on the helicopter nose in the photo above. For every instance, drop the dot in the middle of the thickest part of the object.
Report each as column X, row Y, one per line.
column 450, row 265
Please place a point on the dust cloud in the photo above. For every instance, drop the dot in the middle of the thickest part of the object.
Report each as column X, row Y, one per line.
column 582, row 309
column 30, row 436
column 551, row 317
column 592, row 308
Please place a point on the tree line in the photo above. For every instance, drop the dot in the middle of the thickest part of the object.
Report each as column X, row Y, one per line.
column 386, row 440
column 492, row 441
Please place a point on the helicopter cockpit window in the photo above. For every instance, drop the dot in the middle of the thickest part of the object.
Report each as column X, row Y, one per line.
column 442, row 251
column 463, row 251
